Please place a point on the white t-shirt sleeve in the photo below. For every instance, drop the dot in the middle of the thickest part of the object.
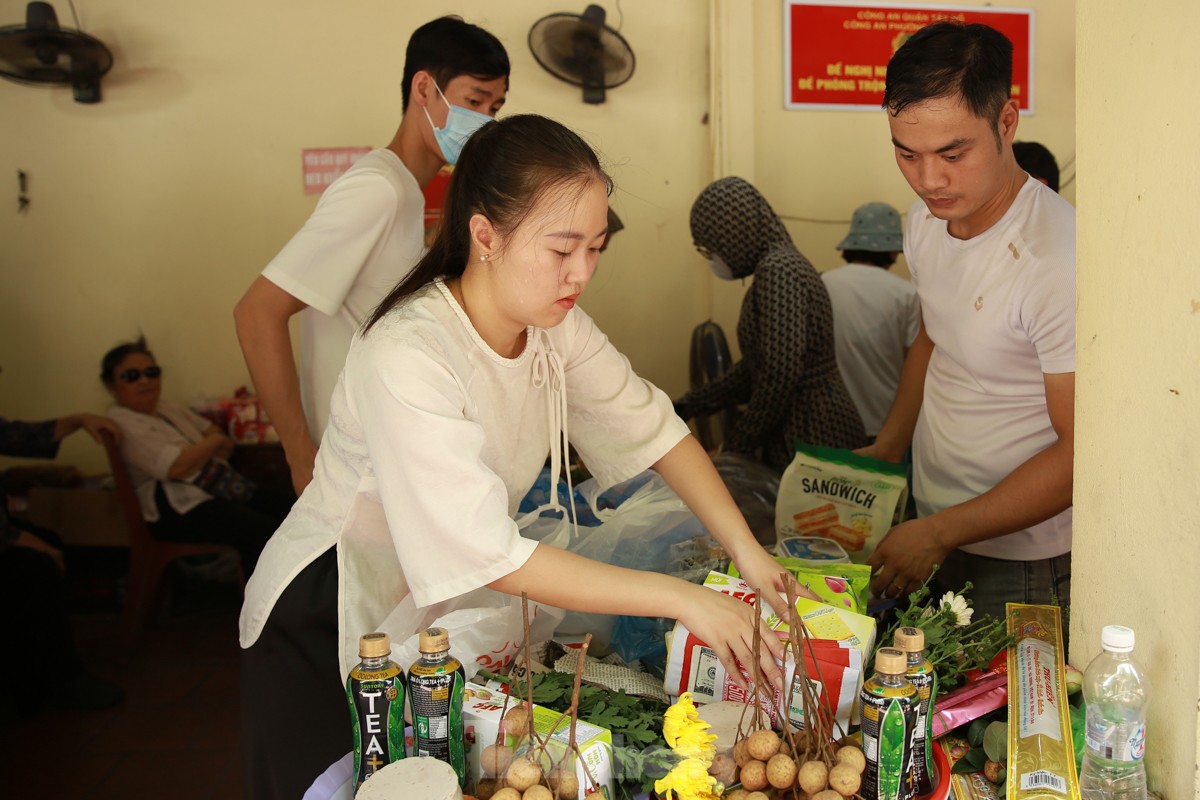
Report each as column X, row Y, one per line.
column 319, row 264
column 446, row 510
column 1048, row 315
column 620, row 423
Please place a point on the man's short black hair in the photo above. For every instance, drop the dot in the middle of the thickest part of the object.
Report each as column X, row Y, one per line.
column 948, row 59
column 1038, row 161
column 448, row 47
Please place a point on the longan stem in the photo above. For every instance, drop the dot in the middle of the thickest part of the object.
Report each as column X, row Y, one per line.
column 528, row 669
column 757, row 676
column 500, row 728
column 580, row 665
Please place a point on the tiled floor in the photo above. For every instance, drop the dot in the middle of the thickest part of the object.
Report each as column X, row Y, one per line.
column 176, row 734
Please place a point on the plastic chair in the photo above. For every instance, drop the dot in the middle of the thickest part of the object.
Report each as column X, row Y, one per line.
column 148, row 557
column 709, row 359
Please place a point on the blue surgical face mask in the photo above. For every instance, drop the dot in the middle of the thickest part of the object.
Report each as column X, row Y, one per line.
column 460, row 124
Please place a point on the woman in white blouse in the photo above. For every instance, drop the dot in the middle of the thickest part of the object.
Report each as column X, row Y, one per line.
column 169, row 449
column 468, row 374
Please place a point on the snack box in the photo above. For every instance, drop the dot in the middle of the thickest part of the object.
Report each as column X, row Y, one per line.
column 693, row 667
column 848, row 628
column 483, row 710
column 813, row 549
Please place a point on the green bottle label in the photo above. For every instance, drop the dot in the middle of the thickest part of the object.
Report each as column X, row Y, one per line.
column 435, row 697
column 377, row 713
column 888, row 721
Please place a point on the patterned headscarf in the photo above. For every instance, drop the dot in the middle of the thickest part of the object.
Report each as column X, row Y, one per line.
column 731, row 219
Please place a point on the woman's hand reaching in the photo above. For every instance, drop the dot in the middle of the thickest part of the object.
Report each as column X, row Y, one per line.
column 765, row 574
column 726, row 625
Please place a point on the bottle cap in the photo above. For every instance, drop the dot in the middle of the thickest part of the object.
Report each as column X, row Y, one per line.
column 1117, row 638
column 890, row 661
column 434, row 640
column 374, row 645
column 909, row 639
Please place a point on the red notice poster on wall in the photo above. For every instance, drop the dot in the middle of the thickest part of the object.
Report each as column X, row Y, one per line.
column 836, row 52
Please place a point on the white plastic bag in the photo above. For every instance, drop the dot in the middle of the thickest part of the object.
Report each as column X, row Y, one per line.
column 485, row 628
column 640, row 533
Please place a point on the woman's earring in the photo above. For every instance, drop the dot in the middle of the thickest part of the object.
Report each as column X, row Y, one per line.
column 484, row 257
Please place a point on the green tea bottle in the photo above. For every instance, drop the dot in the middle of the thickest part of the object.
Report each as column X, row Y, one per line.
column 920, row 673
column 889, row 712
column 375, row 689
column 435, row 695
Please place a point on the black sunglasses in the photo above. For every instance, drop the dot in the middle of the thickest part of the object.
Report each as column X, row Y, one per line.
column 134, row 374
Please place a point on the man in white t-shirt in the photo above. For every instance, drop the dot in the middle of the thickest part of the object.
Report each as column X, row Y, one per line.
column 988, row 389
column 365, row 235
column 875, row 314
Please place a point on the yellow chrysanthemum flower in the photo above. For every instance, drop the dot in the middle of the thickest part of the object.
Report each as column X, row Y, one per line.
column 684, row 731
column 688, row 780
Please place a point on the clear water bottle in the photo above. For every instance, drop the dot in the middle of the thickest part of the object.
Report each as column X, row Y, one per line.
column 1116, row 691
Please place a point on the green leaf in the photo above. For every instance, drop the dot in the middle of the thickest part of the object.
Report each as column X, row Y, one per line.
column 976, row 756
column 934, row 633
column 995, row 741
column 975, row 732
column 962, row 767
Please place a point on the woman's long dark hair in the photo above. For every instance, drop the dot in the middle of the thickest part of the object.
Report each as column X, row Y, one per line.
column 506, row 167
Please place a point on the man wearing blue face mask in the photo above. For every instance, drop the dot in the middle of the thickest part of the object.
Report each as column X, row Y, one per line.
column 365, row 234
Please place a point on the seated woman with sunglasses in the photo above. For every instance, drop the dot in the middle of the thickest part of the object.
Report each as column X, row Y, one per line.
column 177, row 458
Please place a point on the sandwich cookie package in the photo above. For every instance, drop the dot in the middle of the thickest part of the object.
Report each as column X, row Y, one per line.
column 839, row 495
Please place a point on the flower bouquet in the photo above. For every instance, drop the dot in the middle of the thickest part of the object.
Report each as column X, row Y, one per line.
column 954, row 642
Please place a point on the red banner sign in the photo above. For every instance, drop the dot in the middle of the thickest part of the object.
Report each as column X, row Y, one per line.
column 836, row 53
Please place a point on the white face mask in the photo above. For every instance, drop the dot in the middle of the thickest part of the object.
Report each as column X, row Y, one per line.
column 720, row 268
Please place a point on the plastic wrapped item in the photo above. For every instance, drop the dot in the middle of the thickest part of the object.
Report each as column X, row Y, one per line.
column 485, row 625
column 1041, row 758
column 648, row 530
column 840, row 495
column 755, row 488
column 970, row 702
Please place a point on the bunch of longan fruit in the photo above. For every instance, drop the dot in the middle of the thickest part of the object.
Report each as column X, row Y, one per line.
column 765, row 766
column 513, row 774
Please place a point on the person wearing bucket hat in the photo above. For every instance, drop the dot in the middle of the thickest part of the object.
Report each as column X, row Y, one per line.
column 875, row 314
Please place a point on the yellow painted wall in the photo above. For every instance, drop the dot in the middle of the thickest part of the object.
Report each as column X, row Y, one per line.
column 153, row 210
column 1137, row 510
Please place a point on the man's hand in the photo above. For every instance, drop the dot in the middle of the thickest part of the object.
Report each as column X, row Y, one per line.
column 92, row 423
column 300, row 462
column 906, row 557
column 224, row 445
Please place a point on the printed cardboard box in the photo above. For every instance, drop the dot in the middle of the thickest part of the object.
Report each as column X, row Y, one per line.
column 841, row 641
column 483, row 709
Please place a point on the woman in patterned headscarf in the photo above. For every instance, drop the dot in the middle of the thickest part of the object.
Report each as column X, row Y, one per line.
column 788, row 377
